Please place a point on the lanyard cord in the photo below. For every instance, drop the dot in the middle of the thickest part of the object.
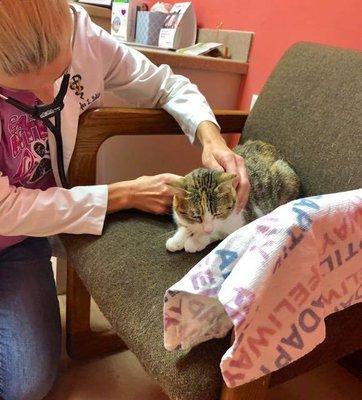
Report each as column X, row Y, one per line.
column 44, row 113
column 57, row 134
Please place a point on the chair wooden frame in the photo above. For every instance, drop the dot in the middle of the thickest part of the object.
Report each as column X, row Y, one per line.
column 95, row 127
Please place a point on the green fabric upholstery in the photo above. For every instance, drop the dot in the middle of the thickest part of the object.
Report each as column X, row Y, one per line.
column 311, row 109
column 127, row 270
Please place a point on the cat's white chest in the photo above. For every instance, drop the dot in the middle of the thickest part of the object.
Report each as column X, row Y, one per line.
column 192, row 238
column 229, row 225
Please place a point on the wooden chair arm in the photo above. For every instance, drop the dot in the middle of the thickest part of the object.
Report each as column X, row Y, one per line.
column 96, row 126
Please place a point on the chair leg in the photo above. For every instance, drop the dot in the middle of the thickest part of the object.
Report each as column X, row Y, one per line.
column 81, row 341
column 255, row 390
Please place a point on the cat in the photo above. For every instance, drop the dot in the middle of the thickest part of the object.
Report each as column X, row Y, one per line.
column 204, row 200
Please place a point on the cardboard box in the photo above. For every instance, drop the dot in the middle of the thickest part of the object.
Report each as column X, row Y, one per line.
column 179, row 29
column 123, row 25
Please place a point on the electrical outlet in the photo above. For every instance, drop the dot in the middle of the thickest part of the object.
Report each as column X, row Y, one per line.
column 254, row 98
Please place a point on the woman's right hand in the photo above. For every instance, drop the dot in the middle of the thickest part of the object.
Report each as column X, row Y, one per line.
column 147, row 193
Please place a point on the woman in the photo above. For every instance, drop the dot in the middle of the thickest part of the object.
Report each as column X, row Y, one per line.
column 41, row 43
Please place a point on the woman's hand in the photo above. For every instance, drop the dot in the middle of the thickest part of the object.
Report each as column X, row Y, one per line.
column 147, row 193
column 217, row 155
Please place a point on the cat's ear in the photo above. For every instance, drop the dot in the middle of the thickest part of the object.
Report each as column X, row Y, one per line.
column 225, row 180
column 178, row 187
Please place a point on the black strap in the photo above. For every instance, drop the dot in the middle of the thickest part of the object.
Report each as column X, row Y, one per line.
column 56, row 130
column 44, row 113
column 51, row 110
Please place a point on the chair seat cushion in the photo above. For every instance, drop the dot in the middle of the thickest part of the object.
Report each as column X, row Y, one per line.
column 127, row 271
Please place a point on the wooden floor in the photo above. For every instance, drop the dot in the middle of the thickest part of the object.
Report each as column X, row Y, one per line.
column 121, row 377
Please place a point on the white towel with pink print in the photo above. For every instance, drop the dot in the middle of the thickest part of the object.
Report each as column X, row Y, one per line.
column 273, row 281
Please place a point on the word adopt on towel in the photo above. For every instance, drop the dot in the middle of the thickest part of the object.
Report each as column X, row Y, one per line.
column 274, row 281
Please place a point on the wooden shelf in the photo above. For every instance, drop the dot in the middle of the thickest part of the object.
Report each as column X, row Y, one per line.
column 193, row 62
column 102, row 16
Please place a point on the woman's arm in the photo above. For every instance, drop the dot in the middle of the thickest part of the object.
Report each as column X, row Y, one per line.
column 147, row 193
column 217, row 155
column 82, row 209
column 33, row 212
column 135, row 80
column 139, row 83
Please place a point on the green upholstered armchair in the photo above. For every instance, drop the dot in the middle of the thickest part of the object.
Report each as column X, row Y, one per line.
column 311, row 109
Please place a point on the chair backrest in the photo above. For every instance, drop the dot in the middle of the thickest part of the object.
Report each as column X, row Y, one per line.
column 311, row 109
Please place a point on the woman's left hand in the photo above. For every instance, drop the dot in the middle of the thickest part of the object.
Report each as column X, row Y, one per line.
column 217, row 155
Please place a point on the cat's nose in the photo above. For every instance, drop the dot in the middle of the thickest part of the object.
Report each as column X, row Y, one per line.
column 208, row 227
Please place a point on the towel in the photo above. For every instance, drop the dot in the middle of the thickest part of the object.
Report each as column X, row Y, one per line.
column 273, row 281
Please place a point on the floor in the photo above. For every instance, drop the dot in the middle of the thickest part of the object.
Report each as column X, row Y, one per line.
column 121, row 377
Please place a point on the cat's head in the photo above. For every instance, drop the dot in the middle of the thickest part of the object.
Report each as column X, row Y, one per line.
column 204, row 198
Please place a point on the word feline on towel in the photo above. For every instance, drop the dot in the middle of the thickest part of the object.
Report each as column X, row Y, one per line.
column 204, row 200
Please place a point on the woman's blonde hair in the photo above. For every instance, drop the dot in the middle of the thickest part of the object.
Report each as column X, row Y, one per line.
column 32, row 33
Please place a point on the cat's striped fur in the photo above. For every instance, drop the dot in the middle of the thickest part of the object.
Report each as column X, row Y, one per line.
column 204, row 201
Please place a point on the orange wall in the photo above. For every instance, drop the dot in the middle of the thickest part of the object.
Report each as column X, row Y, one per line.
column 280, row 23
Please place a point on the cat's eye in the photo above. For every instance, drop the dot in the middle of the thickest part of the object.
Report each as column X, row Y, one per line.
column 196, row 218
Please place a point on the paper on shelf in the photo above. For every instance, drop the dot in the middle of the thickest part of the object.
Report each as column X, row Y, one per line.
column 179, row 29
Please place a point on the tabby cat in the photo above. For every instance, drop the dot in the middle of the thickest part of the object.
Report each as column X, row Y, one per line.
column 204, row 200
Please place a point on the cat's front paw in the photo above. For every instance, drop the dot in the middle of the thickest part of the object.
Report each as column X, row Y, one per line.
column 174, row 244
column 193, row 245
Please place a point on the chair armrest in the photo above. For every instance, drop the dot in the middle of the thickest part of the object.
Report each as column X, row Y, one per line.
column 96, row 126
